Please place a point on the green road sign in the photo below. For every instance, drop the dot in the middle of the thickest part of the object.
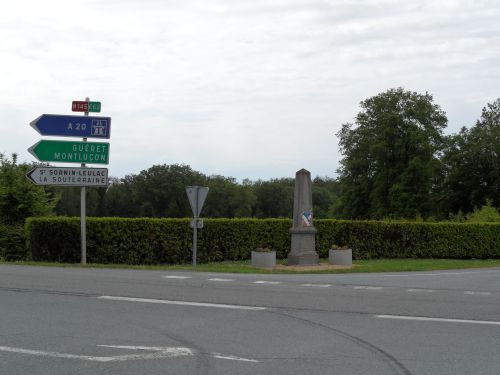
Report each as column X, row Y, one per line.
column 94, row 106
column 71, row 152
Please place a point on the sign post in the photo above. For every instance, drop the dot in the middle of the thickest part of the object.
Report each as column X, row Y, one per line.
column 197, row 196
column 83, row 203
column 73, row 152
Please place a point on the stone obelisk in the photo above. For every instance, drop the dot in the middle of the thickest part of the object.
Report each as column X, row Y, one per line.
column 303, row 251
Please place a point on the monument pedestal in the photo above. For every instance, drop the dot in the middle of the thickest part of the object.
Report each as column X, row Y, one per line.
column 303, row 251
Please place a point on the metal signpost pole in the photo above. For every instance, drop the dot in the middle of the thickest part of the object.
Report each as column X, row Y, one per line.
column 83, row 214
column 196, row 196
column 195, row 244
column 195, row 229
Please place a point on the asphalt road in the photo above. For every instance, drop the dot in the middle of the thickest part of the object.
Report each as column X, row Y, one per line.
column 97, row 321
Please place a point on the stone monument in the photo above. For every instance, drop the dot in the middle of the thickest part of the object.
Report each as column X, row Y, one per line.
column 303, row 251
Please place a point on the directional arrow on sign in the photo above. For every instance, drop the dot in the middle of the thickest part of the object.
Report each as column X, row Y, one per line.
column 73, row 126
column 71, row 151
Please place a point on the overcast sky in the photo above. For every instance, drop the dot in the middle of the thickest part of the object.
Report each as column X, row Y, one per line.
column 247, row 89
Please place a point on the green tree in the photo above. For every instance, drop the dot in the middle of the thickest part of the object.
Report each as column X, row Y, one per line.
column 160, row 191
column 228, row 199
column 274, row 198
column 19, row 198
column 390, row 156
column 69, row 200
column 325, row 192
column 119, row 200
column 472, row 164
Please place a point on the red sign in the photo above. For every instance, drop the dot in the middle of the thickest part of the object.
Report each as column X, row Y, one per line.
column 80, row 107
column 86, row 106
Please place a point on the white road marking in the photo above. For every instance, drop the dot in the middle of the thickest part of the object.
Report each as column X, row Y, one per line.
column 317, row 285
column 439, row 273
column 135, row 347
column 222, row 280
column 233, row 358
column 162, row 353
column 444, row 320
column 267, row 282
column 421, row 290
column 187, row 350
column 183, row 303
column 177, row 277
column 478, row 293
column 369, row 287
column 152, row 352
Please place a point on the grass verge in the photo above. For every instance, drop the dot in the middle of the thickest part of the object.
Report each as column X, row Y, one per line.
column 372, row 265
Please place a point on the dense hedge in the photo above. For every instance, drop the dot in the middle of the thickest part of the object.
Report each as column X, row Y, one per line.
column 378, row 239
column 12, row 243
column 153, row 241
column 168, row 241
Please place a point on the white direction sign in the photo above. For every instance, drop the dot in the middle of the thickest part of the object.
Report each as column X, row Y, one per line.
column 197, row 196
column 69, row 176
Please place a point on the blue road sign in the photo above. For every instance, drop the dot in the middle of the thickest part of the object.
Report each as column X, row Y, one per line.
column 73, row 126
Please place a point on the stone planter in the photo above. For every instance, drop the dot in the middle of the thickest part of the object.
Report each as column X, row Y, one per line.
column 264, row 259
column 341, row 257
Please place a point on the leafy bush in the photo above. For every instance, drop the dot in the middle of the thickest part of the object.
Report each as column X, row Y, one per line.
column 12, row 243
column 486, row 214
column 19, row 198
column 168, row 241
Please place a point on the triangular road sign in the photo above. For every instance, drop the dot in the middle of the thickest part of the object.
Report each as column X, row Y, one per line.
column 197, row 196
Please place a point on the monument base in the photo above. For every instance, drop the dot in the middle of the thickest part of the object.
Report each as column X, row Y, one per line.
column 310, row 259
column 303, row 251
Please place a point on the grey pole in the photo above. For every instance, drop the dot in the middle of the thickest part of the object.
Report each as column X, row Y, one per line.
column 196, row 196
column 83, row 214
column 195, row 231
column 195, row 240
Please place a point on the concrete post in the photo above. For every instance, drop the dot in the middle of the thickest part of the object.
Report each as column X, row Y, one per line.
column 303, row 251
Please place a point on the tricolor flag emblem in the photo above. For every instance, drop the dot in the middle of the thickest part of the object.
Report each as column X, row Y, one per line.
column 307, row 217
